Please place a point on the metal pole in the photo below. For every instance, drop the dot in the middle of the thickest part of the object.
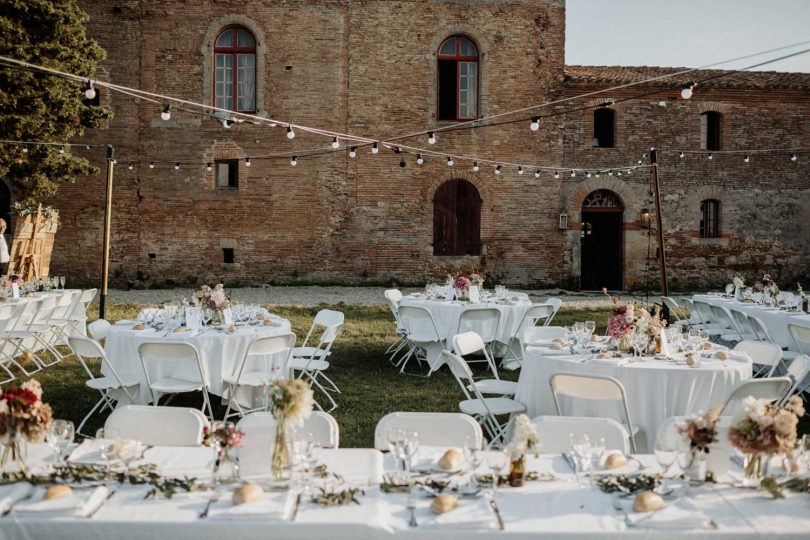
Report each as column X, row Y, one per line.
column 105, row 258
column 662, row 259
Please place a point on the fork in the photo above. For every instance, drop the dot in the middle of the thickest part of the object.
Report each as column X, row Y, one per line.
column 412, row 509
column 214, row 498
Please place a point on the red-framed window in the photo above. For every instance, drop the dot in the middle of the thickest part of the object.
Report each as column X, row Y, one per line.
column 458, row 76
column 235, row 70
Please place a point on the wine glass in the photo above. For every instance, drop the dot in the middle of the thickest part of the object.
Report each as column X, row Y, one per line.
column 62, row 282
column 472, row 456
column 108, row 447
column 496, row 461
column 410, row 444
column 59, row 436
column 581, row 453
column 396, row 437
column 666, row 452
column 694, row 338
column 590, row 326
column 128, row 450
column 597, row 451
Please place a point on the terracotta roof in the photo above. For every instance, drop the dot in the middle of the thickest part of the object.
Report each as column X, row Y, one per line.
column 616, row 75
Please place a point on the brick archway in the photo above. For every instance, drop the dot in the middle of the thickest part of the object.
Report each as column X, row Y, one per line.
column 629, row 199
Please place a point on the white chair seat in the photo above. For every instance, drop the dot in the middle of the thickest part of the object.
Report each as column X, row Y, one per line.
column 306, row 363
column 107, row 383
column 496, row 406
column 309, row 352
column 171, row 385
column 252, row 378
column 496, row 386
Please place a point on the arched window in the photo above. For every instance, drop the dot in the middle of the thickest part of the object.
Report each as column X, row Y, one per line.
column 235, row 70
column 457, row 219
column 710, row 122
column 710, row 218
column 604, row 126
column 458, row 79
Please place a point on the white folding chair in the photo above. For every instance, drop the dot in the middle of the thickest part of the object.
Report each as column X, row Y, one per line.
column 539, row 334
column 801, row 335
column 113, row 389
column 484, row 410
column 725, row 322
column 394, row 297
column 483, row 320
column 424, row 335
column 471, row 343
column 159, row 426
column 765, row 355
column 555, row 431
column 798, row 371
column 49, row 330
column 166, row 360
column 434, row 429
column 311, row 362
column 21, row 335
column 763, row 334
column 537, row 312
column 555, row 303
column 675, row 310
column 60, row 316
column 593, row 387
column 259, row 351
column 708, row 319
column 78, row 317
column 772, row 389
column 743, row 325
column 99, row 329
column 6, row 348
column 321, row 425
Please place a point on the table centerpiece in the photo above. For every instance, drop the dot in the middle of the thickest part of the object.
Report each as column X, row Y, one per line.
column 23, row 418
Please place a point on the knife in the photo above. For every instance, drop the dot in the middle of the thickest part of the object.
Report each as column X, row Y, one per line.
column 569, row 461
column 296, row 506
column 497, row 513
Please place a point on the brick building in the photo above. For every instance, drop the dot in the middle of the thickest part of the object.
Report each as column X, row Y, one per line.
column 382, row 68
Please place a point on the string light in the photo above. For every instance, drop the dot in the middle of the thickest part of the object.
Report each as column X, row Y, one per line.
column 90, row 93
column 431, row 138
column 227, row 123
column 25, row 150
column 177, row 166
column 294, row 161
column 397, row 150
column 557, row 175
column 87, row 147
column 449, row 161
column 290, row 132
column 520, row 170
column 618, row 173
column 62, row 150
column 130, row 166
column 610, row 173
column 629, row 172
column 475, row 166
column 747, row 159
column 419, row 159
column 681, row 155
column 208, row 167
column 573, row 174
column 166, row 114
column 402, row 163
column 588, row 175
column 497, row 169
column 597, row 174
column 375, row 148
column 792, row 156
column 710, row 156
column 247, row 162
column 335, row 142
column 535, row 125
column 537, row 173
column 151, row 164
column 353, row 152
column 686, row 90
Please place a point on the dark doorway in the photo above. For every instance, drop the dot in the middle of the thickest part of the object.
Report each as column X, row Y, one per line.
column 5, row 205
column 602, row 241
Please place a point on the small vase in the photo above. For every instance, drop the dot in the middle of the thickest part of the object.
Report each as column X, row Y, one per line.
column 15, row 454
column 280, row 465
column 517, row 471
column 624, row 343
column 226, row 467
column 755, row 468
column 695, row 469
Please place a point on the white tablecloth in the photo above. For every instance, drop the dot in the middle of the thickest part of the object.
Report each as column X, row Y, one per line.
column 546, row 509
column 656, row 389
column 220, row 351
column 775, row 320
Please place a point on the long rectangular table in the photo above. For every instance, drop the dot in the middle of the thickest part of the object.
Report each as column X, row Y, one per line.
column 555, row 509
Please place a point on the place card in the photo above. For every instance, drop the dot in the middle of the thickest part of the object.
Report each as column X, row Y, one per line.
column 194, row 318
column 475, row 294
column 15, row 291
column 450, row 294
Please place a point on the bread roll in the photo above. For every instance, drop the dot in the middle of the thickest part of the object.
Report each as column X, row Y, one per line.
column 690, row 360
column 555, row 347
column 614, row 461
column 561, row 341
column 603, row 356
column 57, row 492
column 722, row 355
column 232, row 328
column 594, row 338
column 260, row 316
column 178, row 330
column 452, row 460
column 443, row 503
column 648, row 501
column 707, row 346
column 139, row 327
column 268, row 322
column 247, row 493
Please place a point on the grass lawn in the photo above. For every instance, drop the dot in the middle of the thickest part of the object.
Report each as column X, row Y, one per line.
column 371, row 386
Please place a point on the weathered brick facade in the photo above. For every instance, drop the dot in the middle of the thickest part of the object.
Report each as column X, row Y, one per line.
column 368, row 67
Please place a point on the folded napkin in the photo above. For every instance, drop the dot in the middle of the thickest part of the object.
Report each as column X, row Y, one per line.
column 12, row 494
column 739, row 356
column 88, row 452
column 609, row 361
column 555, row 352
column 682, row 514
column 543, row 342
column 471, row 513
column 273, row 505
column 82, row 503
column 427, row 459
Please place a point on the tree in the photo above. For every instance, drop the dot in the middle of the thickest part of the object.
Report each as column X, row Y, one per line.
column 39, row 107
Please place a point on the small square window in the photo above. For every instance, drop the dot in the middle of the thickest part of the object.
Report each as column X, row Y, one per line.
column 227, row 172
column 227, row 255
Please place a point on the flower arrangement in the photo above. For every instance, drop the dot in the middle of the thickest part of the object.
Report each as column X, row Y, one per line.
column 223, row 438
column 800, row 291
column 291, row 403
column 524, row 439
column 621, row 320
column 700, row 429
column 22, row 412
column 769, row 285
column 738, row 282
column 214, row 299
column 462, row 283
column 761, row 427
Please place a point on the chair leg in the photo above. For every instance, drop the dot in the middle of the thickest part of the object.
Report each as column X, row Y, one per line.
column 91, row 413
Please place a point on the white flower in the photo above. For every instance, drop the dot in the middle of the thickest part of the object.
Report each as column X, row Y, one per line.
column 524, row 438
column 738, row 282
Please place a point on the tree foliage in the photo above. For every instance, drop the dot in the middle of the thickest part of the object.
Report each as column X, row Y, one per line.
column 39, row 107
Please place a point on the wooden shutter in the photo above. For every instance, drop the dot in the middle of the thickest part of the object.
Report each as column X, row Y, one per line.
column 457, row 219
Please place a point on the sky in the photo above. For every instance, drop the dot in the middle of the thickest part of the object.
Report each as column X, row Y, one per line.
column 688, row 33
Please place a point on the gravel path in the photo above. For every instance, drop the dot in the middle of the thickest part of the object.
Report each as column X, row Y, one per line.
column 314, row 295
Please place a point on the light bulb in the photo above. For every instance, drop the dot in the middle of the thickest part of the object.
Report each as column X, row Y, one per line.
column 176, row 166
column 537, row 173
column 639, row 162
column 497, row 169
column 520, row 170
column 397, row 150
column 227, row 124
column 402, row 163
column 247, row 162
column 130, row 166
column 629, row 172
column 375, row 148
column 680, row 155
column 573, row 174
column 535, row 125
column 88, row 147
column 151, row 164
column 90, row 93
column 557, row 174
column 335, row 143
column 353, row 152
column 431, row 138
column 166, row 115
column 62, row 150
column 419, row 159
column 208, row 167
column 792, row 156
column 597, row 174
column 710, row 156
column 588, row 175
column 25, row 150
column 610, row 173
column 747, row 159
column 475, row 166
column 290, row 132
column 618, row 173
column 686, row 91
column 449, row 161
column 294, row 161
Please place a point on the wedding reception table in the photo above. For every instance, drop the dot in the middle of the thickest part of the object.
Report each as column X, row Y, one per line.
column 553, row 507
column 775, row 320
column 656, row 388
column 221, row 351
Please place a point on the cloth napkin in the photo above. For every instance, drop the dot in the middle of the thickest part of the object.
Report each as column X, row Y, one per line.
column 427, row 457
column 12, row 494
column 82, row 503
column 273, row 505
column 739, row 356
column 471, row 513
column 682, row 514
column 608, row 361
column 88, row 452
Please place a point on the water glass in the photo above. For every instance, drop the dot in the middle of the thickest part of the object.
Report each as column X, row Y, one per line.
column 396, row 438
column 59, row 435
column 581, row 453
column 109, row 439
column 472, row 457
column 497, row 461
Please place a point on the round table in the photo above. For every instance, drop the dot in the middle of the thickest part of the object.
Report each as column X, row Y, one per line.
column 655, row 388
column 220, row 351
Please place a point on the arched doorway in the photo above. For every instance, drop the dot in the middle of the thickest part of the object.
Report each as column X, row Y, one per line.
column 457, row 219
column 602, row 241
column 5, row 205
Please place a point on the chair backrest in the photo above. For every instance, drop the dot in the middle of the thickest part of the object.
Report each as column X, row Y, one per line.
column 326, row 319
column 533, row 333
column 742, row 322
column 759, row 328
column 534, row 314
column 45, row 309
column 419, row 323
column 434, row 429
column 762, row 353
column 556, row 303
column 65, row 303
column 723, row 318
column 798, row 370
column 169, row 352
column 485, row 321
column 159, row 426
column 772, row 388
column 704, row 310
column 393, row 295
column 27, row 314
column 673, row 306
column 461, row 371
column 467, row 343
column 279, row 344
column 99, row 329
column 554, row 432
column 801, row 335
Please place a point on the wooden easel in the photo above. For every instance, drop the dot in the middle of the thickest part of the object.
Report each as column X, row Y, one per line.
column 28, row 252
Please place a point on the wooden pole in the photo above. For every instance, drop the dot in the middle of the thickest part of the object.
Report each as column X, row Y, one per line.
column 105, row 257
column 662, row 259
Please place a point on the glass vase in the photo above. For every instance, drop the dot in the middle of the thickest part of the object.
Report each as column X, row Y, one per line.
column 226, row 467
column 517, row 471
column 755, row 468
column 15, row 454
column 280, row 464
column 695, row 469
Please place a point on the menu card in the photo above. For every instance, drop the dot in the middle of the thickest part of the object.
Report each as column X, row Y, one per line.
column 193, row 318
column 475, row 294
